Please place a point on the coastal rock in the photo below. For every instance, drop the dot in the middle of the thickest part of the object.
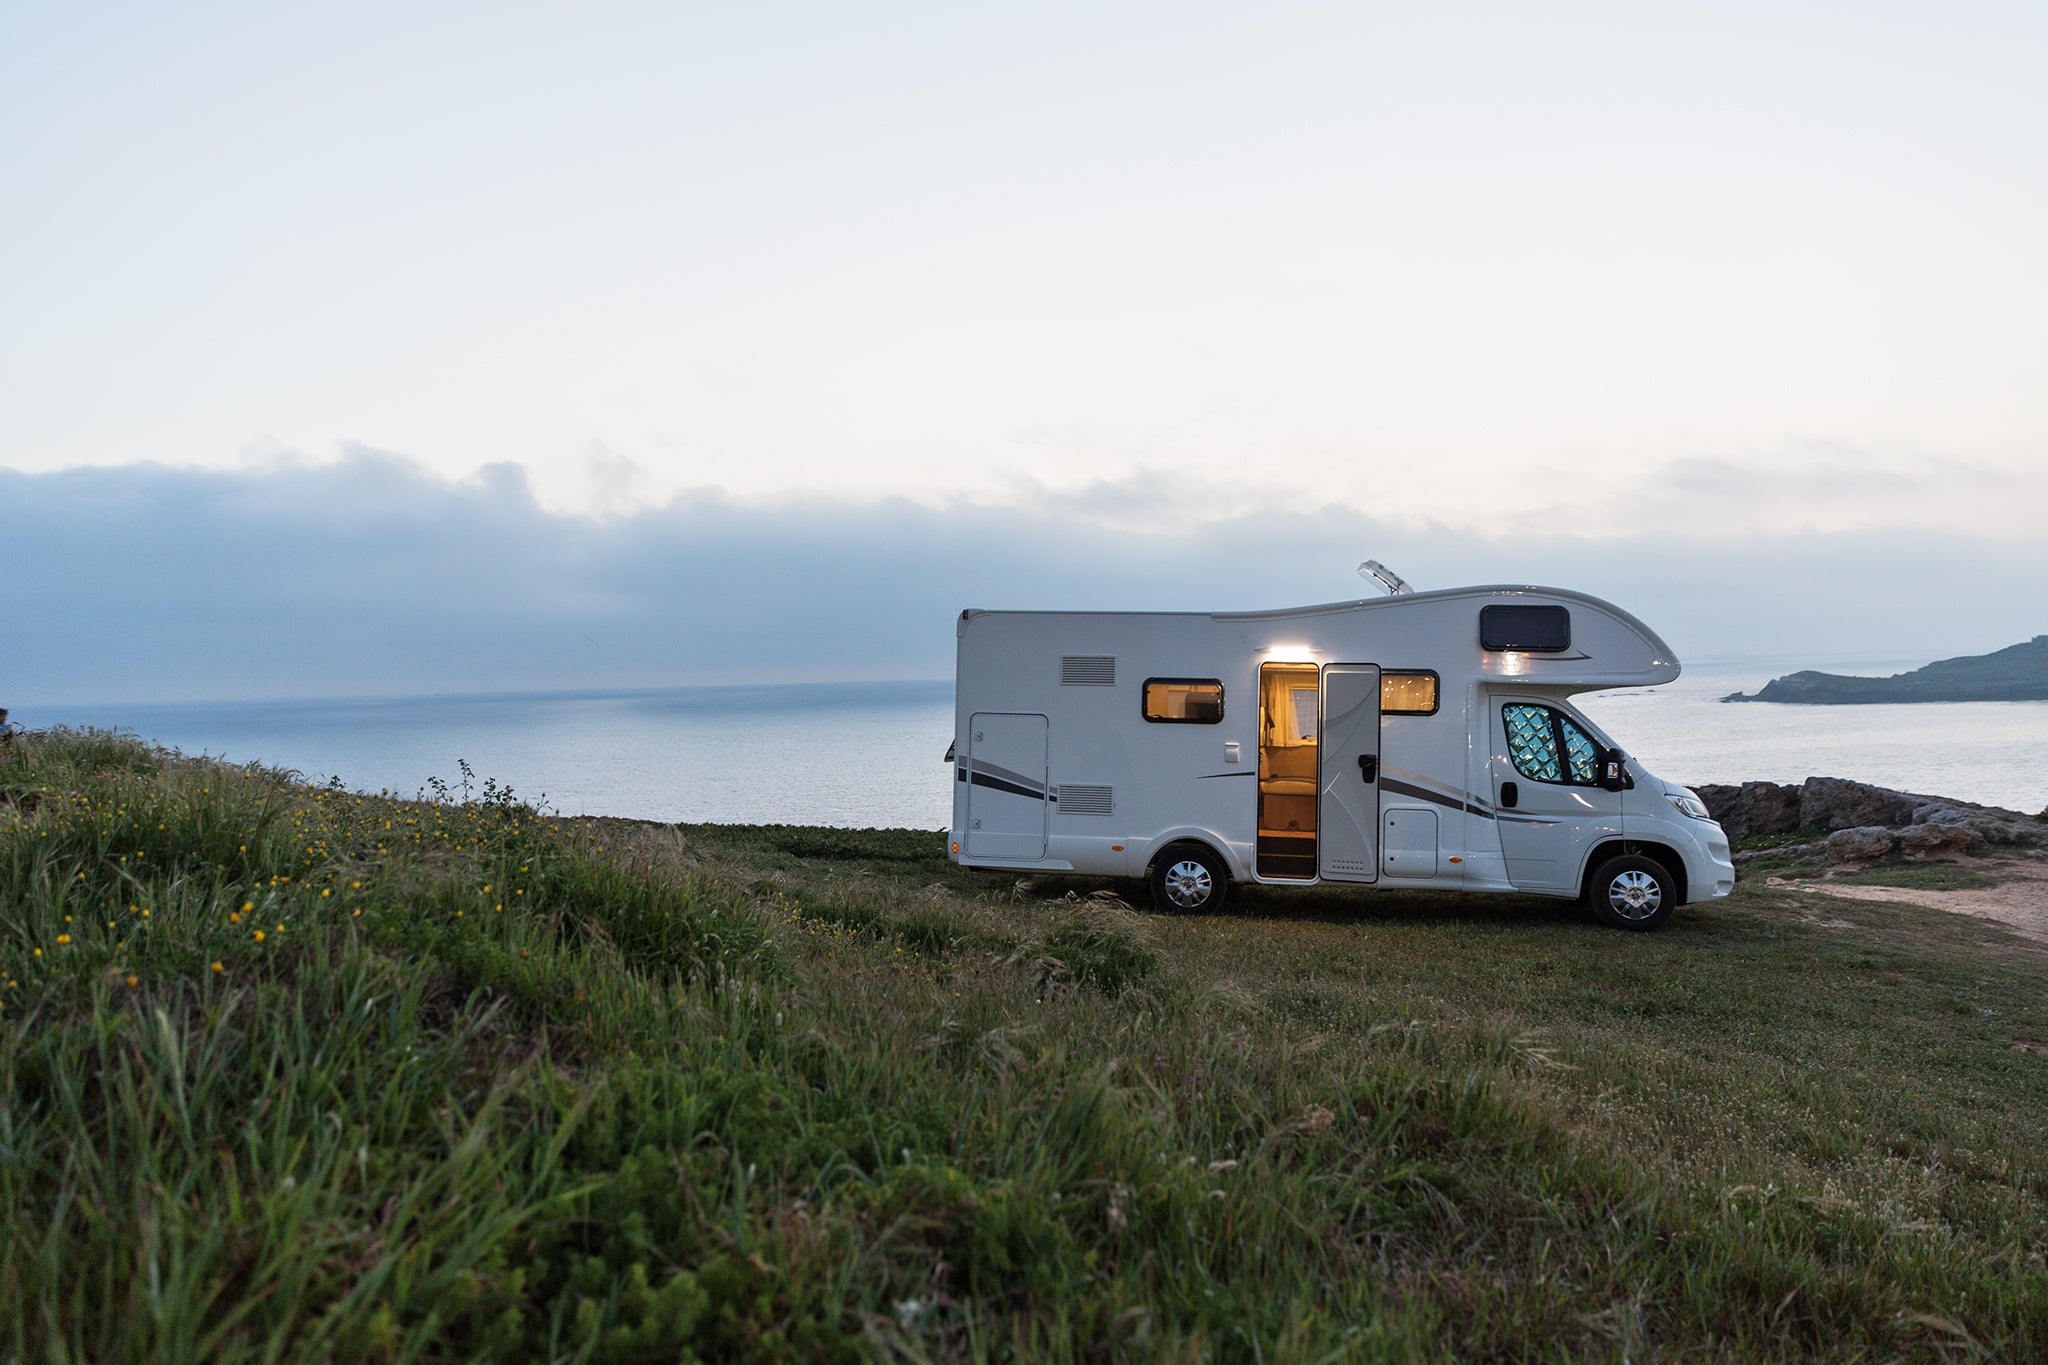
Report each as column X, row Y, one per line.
column 1724, row 802
column 1866, row 844
column 1753, row 807
column 1935, row 841
column 1869, row 822
column 1837, row 803
column 1982, row 824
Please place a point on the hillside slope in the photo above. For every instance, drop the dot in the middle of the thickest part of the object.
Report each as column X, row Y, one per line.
column 295, row 1072
column 2016, row 673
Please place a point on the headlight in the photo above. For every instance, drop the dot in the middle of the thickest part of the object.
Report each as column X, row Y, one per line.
column 1688, row 804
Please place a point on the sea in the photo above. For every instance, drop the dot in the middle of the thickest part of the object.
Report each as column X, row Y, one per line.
column 873, row 753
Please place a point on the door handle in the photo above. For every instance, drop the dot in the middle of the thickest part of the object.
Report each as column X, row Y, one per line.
column 1369, row 767
column 1509, row 794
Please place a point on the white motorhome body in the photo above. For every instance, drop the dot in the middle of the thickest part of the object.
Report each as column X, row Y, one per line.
column 1420, row 740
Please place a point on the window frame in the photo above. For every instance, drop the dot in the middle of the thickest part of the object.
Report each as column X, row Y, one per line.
column 1436, row 693
column 1145, row 709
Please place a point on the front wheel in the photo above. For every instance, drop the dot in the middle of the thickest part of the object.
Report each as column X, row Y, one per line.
column 1632, row 892
column 1189, row 879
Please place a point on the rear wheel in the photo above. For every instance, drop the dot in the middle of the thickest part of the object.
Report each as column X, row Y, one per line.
column 1632, row 892
column 1189, row 879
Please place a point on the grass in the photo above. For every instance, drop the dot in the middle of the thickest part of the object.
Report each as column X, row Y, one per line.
column 1790, row 838
column 1921, row 876
column 309, row 1072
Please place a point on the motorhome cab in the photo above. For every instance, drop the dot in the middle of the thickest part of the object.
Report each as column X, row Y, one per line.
column 1421, row 740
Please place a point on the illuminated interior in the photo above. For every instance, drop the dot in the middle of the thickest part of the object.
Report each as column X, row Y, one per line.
column 1194, row 702
column 1408, row 694
column 1288, row 708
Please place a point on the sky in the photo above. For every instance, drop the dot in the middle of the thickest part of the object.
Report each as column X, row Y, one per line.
column 410, row 348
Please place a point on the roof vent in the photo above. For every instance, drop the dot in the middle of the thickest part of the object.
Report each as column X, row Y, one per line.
column 1087, row 670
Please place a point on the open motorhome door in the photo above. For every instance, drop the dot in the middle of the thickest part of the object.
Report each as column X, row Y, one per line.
column 1348, row 812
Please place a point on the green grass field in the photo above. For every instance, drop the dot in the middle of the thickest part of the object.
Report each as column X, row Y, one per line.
column 295, row 1072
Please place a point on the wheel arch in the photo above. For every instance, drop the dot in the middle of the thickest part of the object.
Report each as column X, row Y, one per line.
column 1173, row 839
column 1663, row 855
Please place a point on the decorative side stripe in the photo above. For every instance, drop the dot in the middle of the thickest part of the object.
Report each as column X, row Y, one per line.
column 1396, row 785
column 994, row 783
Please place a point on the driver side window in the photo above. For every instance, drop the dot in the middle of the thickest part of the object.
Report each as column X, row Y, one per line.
column 1580, row 751
column 1546, row 745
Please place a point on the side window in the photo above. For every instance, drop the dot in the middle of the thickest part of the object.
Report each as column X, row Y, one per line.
column 1549, row 746
column 1532, row 744
column 1405, row 692
column 1580, row 751
column 1184, row 701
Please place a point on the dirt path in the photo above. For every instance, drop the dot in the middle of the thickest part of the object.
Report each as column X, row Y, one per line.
column 2020, row 901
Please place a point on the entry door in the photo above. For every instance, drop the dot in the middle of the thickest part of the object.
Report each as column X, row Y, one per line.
column 1005, row 768
column 1547, row 762
column 1349, row 815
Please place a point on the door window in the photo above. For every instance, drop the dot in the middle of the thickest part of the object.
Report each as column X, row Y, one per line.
column 1532, row 742
column 1546, row 745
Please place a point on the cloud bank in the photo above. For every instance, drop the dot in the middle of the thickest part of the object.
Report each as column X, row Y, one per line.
column 371, row 575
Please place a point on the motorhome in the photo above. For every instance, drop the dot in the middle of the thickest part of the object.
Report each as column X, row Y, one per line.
column 1420, row 740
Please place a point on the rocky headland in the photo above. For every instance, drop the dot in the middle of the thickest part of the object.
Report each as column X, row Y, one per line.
column 1855, row 822
column 2017, row 673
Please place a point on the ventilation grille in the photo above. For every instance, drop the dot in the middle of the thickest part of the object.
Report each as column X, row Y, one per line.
column 1087, row 670
column 1348, row 865
column 1081, row 800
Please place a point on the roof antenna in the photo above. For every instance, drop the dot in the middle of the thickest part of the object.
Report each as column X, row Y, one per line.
column 1376, row 572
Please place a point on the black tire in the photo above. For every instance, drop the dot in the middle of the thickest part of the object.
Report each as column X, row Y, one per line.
column 1189, row 879
column 1632, row 892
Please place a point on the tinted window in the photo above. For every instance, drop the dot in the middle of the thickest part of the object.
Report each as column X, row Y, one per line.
column 1184, row 701
column 1537, row 630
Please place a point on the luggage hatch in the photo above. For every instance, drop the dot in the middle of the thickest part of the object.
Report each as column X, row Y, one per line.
column 1008, row 805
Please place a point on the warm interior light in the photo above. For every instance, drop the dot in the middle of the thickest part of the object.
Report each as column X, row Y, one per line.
column 1290, row 654
column 1407, row 694
column 1200, row 702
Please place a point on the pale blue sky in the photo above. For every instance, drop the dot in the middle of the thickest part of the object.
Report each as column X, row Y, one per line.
column 1763, row 270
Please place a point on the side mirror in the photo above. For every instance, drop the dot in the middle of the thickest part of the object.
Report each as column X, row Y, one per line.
column 1614, row 770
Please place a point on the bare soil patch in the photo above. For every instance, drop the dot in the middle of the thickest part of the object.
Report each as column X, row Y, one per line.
column 2019, row 900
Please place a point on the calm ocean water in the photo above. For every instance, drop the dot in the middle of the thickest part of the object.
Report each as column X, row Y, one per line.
column 873, row 753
